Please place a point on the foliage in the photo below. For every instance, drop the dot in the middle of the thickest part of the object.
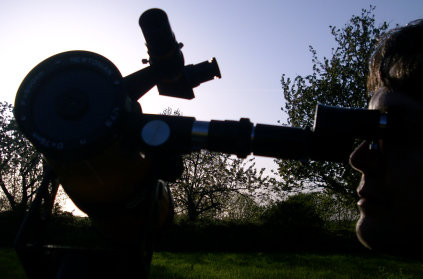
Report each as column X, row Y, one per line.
column 316, row 210
column 334, row 210
column 218, row 185
column 21, row 167
column 339, row 81
column 243, row 208
column 297, row 213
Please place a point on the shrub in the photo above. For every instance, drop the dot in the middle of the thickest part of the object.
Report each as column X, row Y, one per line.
column 297, row 213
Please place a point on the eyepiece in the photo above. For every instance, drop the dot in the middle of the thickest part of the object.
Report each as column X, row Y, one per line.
column 202, row 72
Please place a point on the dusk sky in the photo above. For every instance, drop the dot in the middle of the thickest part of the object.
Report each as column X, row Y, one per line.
column 255, row 42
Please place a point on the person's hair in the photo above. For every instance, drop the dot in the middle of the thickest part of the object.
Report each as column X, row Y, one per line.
column 397, row 62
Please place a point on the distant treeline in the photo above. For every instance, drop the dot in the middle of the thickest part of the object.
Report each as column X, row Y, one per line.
column 289, row 227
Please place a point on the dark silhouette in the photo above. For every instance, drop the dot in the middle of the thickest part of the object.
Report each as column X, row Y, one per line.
column 391, row 185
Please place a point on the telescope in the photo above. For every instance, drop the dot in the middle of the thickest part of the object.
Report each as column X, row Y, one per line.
column 113, row 160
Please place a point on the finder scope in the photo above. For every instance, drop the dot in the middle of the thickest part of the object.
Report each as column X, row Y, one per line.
column 167, row 61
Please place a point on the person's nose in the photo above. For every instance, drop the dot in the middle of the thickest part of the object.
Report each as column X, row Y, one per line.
column 363, row 158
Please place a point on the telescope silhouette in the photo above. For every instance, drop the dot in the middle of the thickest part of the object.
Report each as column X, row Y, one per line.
column 113, row 160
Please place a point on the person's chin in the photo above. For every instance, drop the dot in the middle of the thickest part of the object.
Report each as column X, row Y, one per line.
column 369, row 233
column 382, row 236
column 373, row 225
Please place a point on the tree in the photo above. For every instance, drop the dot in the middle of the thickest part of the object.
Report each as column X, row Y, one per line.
column 339, row 81
column 21, row 167
column 243, row 208
column 211, row 180
column 213, row 184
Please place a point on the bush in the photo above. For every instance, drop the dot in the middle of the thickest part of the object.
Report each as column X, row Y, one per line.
column 297, row 213
column 9, row 224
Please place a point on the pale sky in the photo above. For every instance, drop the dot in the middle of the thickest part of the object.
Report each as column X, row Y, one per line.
column 255, row 42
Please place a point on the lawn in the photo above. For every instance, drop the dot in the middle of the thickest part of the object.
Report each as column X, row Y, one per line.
column 258, row 265
column 10, row 266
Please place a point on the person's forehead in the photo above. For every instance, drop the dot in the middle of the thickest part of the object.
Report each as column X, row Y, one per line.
column 385, row 101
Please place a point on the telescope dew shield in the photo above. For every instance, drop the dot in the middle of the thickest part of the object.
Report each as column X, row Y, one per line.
column 73, row 108
column 70, row 104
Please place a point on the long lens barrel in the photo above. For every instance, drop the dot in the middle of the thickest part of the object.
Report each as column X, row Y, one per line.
column 243, row 138
column 331, row 138
column 164, row 133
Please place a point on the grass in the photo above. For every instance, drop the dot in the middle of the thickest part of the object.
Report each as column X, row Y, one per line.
column 253, row 265
column 10, row 266
column 258, row 265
